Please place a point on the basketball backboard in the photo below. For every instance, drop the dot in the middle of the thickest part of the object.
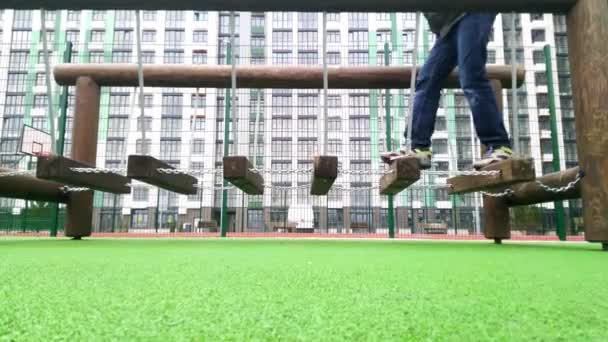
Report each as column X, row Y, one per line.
column 35, row 142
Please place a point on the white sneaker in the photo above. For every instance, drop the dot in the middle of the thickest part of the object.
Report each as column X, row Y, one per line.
column 493, row 156
column 423, row 156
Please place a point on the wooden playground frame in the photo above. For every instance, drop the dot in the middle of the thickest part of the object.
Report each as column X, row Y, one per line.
column 587, row 36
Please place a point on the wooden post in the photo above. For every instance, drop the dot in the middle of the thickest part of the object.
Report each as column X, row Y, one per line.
column 84, row 149
column 496, row 210
column 588, row 50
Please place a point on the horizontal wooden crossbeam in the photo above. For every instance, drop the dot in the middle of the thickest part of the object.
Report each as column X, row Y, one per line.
column 147, row 169
column 30, row 188
column 239, row 171
column 60, row 169
column 403, row 173
column 533, row 193
column 302, row 5
column 325, row 172
column 260, row 76
column 508, row 172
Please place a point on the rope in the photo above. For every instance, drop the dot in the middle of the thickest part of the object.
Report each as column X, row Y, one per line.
column 408, row 138
column 140, row 77
column 49, row 89
column 325, row 84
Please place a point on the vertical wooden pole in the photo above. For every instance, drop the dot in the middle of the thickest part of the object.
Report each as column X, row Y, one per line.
column 84, row 149
column 588, row 50
column 497, row 223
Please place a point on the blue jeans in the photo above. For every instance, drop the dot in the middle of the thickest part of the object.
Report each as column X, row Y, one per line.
column 464, row 46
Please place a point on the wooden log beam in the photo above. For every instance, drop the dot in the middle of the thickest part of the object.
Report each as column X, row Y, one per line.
column 522, row 6
column 533, row 193
column 146, row 169
column 510, row 172
column 79, row 213
column 325, row 172
column 588, row 52
column 403, row 173
column 59, row 169
column 259, row 76
column 496, row 216
column 240, row 173
column 30, row 188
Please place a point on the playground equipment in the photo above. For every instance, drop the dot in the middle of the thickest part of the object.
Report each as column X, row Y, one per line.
column 587, row 33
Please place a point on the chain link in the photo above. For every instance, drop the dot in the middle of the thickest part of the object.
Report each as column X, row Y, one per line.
column 18, row 173
column 478, row 173
column 505, row 193
column 67, row 189
column 565, row 188
column 189, row 172
column 92, row 170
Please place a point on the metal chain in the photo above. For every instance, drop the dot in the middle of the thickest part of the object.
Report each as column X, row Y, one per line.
column 505, row 193
column 18, row 173
column 92, row 170
column 478, row 173
column 568, row 187
column 67, row 189
column 189, row 172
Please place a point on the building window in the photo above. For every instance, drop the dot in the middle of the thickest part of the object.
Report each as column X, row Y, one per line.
column 307, row 21
column 542, row 101
column 97, row 36
column 197, row 124
column 40, row 123
column 174, row 57
column 96, row 57
column 333, row 58
column 73, row 37
column 18, row 60
column 540, row 78
column 148, row 36
column 199, row 36
column 16, row 82
column 98, row 15
column 308, row 40
column 149, row 15
column 115, row 149
column 141, row 193
column 282, row 40
column 199, row 57
column 198, row 146
column 73, row 15
column 538, row 35
column 307, row 58
column 281, row 58
column 139, row 218
column 357, row 21
column 537, row 16
column 174, row 19
column 122, row 56
column 281, row 20
column 491, row 56
column 171, row 127
column 174, row 39
column 147, row 57
column 358, row 58
column 172, row 105
column 360, row 149
column 141, row 148
column 358, row 40
column 538, row 56
column 333, row 37
column 170, row 149
column 200, row 16
column 225, row 24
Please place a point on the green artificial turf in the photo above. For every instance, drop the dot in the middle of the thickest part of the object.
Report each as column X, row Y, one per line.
column 300, row 290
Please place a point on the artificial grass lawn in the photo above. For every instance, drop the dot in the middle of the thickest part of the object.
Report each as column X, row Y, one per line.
column 300, row 290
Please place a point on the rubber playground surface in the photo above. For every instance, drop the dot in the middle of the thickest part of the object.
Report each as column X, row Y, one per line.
column 254, row 289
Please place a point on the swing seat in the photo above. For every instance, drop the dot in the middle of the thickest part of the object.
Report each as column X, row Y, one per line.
column 325, row 172
column 403, row 173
